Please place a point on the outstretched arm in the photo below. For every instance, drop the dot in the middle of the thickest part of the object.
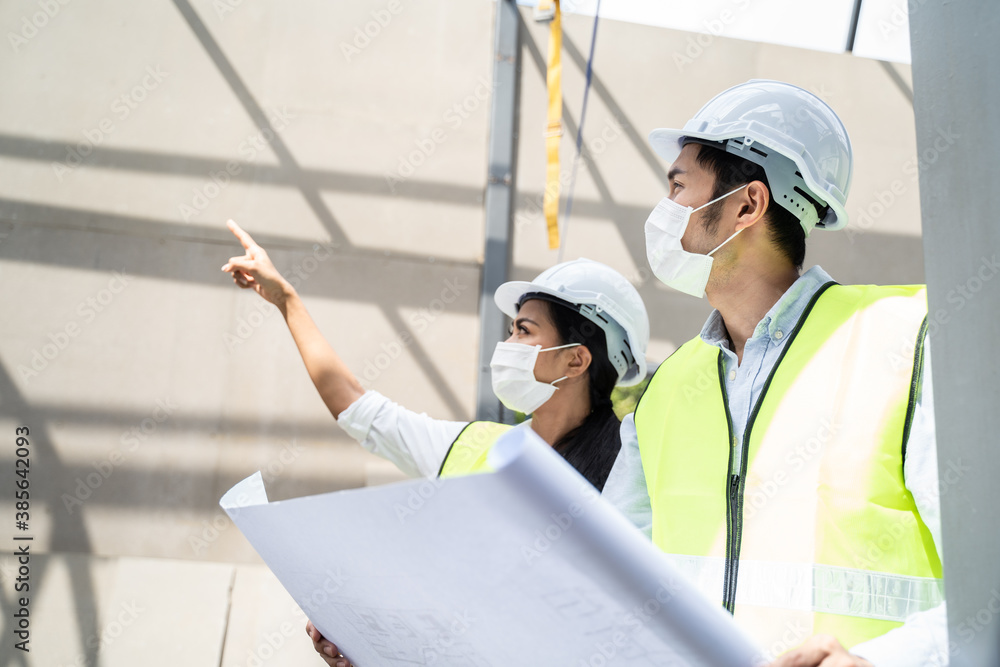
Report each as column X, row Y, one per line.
column 336, row 384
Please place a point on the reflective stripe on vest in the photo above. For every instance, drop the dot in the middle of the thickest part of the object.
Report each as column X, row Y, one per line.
column 819, row 494
column 821, row 588
column 468, row 452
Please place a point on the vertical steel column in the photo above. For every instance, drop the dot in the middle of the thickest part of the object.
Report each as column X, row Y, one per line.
column 956, row 98
column 499, row 197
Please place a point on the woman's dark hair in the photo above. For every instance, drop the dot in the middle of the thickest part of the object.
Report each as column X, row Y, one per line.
column 591, row 447
column 732, row 171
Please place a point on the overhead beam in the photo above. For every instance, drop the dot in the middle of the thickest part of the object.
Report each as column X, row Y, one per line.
column 499, row 198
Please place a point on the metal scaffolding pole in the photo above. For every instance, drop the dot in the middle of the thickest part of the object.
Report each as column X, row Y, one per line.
column 499, row 198
column 956, row 95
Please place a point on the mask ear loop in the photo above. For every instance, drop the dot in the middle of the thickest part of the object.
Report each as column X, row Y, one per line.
column 726, row 241
column 718, row 198
column 712, row 202
column 560, row 347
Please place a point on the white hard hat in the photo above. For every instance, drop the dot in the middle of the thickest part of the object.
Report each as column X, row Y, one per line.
column 794, row 135
column 605, row 297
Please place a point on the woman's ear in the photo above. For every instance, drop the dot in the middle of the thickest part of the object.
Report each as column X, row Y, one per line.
column 754, row 201
column 579, row 361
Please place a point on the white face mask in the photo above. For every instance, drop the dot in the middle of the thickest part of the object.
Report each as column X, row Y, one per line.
column 685, row 271
column 513, row 375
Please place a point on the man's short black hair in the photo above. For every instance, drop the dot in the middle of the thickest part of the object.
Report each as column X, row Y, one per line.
column 732, row 171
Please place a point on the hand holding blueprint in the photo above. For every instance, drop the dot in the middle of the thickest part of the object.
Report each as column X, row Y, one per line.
column 526, row 565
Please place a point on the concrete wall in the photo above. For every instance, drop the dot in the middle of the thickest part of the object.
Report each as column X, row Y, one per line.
column 129, row 133
column 646, row 78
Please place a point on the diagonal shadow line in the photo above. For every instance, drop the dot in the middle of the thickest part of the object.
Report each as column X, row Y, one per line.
column 15, row 212
column 287, row 159
column 259, row 117
column 93, row 416
column 7, row 610
column 426, row 365
column 652, row 161
column 621, row 215
column 898, row 79
column 65, row 531
column 139, row 489
column 102, row 157
column 151, row 231
column 641, row 145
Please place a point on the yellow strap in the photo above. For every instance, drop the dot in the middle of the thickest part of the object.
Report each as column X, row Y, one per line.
column 553, row 130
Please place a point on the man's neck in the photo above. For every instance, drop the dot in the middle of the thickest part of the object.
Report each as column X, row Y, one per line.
column 745, row 299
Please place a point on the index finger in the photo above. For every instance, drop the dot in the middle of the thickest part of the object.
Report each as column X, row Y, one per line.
column 243, row 237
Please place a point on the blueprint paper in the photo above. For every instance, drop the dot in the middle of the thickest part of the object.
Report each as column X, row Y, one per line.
column 526, row 565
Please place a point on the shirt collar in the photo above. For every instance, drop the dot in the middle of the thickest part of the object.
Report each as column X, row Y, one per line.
column 781, row 319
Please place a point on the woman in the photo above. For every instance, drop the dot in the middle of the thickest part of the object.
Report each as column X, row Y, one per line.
column 578, row 329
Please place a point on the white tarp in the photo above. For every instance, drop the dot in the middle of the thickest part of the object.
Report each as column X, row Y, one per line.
column 822, row 25
column 526, row 565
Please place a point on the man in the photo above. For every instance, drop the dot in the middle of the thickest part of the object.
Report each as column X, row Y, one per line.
column 785, row 457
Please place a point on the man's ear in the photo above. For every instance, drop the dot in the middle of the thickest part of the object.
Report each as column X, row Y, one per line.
column 579, row 361
column 753, row 203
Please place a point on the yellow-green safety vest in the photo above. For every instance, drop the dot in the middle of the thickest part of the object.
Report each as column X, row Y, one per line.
column 468, row 452
column 815, row 532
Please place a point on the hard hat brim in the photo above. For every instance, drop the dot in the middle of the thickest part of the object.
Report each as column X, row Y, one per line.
column 510, row 293
column 667, row 143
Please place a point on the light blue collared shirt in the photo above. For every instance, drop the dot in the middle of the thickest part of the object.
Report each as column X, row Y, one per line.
column 744, row 382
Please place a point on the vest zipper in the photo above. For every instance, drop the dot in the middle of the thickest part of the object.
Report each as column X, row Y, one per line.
column 733, row 513
column 732, row 551
column 734, row 508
